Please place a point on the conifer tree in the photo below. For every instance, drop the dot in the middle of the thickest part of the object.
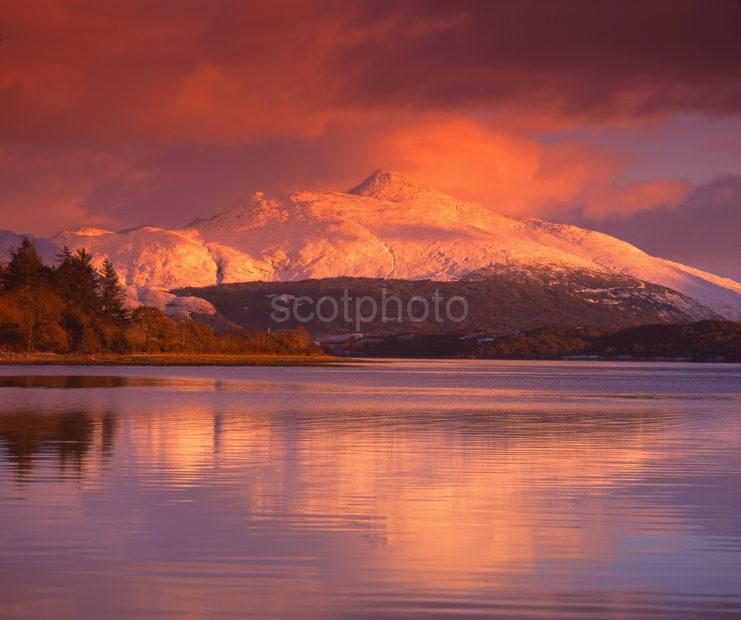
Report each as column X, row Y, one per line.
column 27, row 298
column 112, row 295
column 25, row 268
column 79, row 282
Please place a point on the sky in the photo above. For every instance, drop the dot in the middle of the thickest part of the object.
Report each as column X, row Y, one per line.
column 620, row 116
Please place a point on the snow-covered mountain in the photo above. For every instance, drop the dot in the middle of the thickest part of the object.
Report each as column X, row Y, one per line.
column 389, row 226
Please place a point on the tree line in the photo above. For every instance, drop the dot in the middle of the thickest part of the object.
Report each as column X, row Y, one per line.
column 72, row 307
column 700, row 341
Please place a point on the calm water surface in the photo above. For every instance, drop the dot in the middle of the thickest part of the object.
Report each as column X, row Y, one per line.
column 409, row 489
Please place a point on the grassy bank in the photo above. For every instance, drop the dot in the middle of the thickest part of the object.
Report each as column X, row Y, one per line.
column 167, row 359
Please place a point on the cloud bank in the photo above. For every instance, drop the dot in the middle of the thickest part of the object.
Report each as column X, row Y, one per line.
column 116, row 114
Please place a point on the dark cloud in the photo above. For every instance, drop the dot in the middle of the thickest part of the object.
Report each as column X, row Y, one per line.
column 77, row 71
column 582, row 58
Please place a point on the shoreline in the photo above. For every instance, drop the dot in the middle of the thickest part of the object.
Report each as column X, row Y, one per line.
column 235, row 360
column 169, row 359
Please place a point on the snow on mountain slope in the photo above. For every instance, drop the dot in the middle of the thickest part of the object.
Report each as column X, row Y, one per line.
column 721, row 294
column 146, row 256
column 389, row 226
column 324, row 234
column 175, row 306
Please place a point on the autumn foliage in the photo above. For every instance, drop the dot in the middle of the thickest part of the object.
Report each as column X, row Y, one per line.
column 73, row 307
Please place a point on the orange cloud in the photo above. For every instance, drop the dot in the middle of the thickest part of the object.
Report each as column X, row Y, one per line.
column 515, row 174
column 617, row 200
column 210, row 100
column 64, row 189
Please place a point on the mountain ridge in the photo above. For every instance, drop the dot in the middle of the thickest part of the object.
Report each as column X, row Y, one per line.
column 387, row 226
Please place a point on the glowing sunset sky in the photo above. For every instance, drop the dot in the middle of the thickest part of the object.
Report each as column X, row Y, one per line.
column 621, row 116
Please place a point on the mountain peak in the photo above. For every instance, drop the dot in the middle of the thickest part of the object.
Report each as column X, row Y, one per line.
column 392, row 186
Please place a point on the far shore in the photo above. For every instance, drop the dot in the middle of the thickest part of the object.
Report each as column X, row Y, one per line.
column 224, row 359
column 168, row 359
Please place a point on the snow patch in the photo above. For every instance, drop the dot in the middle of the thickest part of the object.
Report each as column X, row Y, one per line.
column 172, row 305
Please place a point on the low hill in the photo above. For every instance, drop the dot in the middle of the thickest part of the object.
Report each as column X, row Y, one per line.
column 506, row 302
